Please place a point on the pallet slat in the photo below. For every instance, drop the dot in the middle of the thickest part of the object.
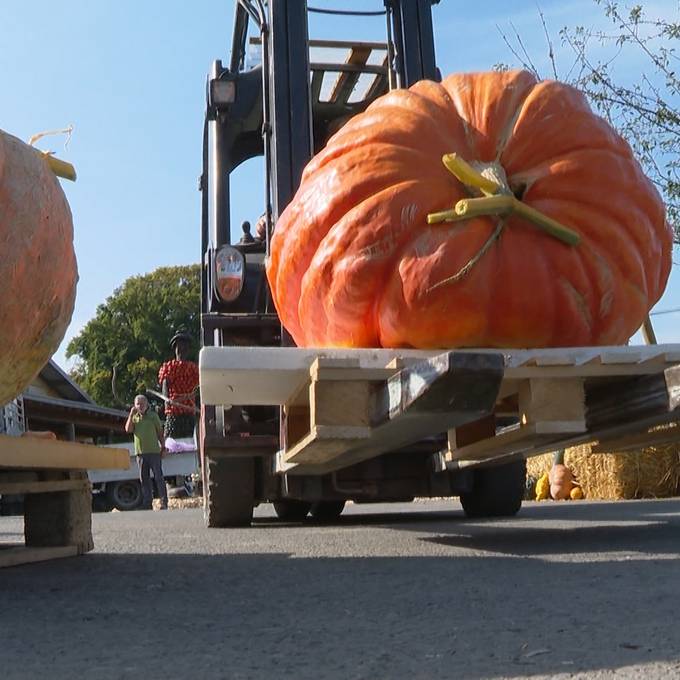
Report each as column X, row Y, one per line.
column 30, row 452
column 440, row 392
column 268, row 376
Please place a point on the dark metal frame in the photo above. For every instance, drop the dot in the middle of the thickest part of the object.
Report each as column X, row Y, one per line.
column 276, row 113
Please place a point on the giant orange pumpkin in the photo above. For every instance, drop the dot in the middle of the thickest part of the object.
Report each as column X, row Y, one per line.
column 37, row 268
column 354, row 262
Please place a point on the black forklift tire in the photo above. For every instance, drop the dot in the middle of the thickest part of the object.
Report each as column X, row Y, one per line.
column 229, row 496
column 496, row 491
column 124, row 495
column 327, row 511
column 291, row 510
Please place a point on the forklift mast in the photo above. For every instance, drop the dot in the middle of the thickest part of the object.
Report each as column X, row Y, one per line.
column 278, row 110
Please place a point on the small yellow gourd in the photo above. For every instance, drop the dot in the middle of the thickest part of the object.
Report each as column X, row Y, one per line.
column 576, row 494
column 543, row 487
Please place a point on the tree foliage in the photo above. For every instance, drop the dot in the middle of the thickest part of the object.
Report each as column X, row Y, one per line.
column 131, row 332
column 629, row 74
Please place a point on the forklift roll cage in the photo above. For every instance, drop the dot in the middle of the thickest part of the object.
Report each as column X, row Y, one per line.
column 277, row 110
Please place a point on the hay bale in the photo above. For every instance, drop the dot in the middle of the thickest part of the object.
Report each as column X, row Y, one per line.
column 652, row 472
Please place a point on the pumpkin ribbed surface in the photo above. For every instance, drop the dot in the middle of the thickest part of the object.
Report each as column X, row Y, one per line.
column 354, row 263
column 38, row 265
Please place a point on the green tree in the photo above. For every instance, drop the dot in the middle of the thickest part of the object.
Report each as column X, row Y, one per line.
column 131, row 331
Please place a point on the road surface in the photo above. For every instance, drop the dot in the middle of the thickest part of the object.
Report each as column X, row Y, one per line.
column 392, row 591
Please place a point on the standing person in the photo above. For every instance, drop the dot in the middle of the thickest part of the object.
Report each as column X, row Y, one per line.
column 178, row 379
column 149, row 448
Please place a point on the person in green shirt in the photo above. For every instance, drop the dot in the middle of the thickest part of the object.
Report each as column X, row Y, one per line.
column 147, row 429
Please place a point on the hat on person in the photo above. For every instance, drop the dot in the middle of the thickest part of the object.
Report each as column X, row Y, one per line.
column 181, row 334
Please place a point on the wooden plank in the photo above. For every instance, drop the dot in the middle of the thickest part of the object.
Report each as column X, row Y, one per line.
column 379, row 85
column 296, row 424
column 11, row 557
column 431, row 397
column 565, row 440
column 629, row 355
column 270, row 375
column 656, row 360
column 42, row 486
column 345, row 82
column 516, row 440
column 552, row 399
column 340, row 403
column 633, row 399
column 469, row 433
column 30, row 452
column 639, row 440
column 322, row 445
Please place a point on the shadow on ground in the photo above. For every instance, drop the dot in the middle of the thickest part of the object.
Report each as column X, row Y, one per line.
column 490, row 605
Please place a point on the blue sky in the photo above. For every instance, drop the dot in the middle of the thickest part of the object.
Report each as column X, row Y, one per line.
column 130, row 77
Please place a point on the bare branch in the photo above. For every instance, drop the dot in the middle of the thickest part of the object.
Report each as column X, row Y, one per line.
column 551, row 51
column 520, row 42
column 512, row 50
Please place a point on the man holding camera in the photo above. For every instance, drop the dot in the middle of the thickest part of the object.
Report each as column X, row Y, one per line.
column 147, row 429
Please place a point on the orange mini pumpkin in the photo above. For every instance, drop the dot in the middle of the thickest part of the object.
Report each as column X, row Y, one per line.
column 354, row 262
column 38, row 265
column 561, row 478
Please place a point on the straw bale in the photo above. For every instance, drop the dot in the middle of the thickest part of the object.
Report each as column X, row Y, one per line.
column 652, row 472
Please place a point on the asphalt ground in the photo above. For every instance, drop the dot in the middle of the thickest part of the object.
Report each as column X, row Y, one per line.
column 578, row 589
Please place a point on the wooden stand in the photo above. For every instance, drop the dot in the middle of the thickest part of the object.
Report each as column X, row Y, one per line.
column 57, row 494
column 345, row 406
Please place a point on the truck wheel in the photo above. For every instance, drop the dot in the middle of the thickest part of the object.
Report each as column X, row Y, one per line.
column 291, row 510
column 496, row 491
column 327, row 511
column 229, row 493
column 124, row 495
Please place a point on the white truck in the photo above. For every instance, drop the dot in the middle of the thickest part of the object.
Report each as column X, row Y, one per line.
column 122, row 490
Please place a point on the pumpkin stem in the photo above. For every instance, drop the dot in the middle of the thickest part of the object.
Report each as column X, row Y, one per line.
column 489, row 205
column 472, row 261
column 496, row 201
column 464, row 172
column 558, row 458
column 60, row 168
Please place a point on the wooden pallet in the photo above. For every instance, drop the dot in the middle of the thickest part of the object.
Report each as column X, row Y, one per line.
column 52, row 477
column 344, row 406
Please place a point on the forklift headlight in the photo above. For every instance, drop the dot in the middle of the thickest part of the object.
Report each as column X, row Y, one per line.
column 230, row 273
column 222, row 92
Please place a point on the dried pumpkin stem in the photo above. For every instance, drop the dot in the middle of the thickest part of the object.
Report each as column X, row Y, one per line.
column 464, row 172
column 465, row 269
column 489, row 205
column 547, row 224
column 61, row 168
column 469, row 208
column 497, row 201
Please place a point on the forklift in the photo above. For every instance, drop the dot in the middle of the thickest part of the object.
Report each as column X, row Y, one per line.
column 285, row 109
